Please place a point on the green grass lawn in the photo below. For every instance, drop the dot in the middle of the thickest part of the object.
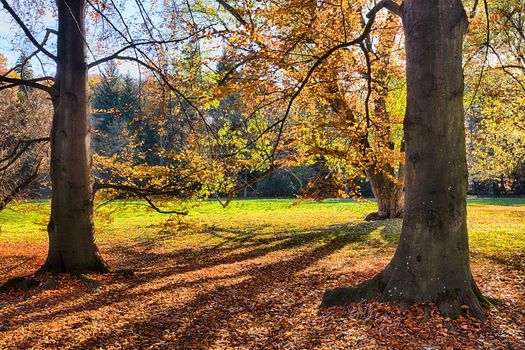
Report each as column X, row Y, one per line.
column 250, row 276
column 496, row 225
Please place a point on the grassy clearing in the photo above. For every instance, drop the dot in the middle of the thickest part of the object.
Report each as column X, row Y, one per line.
column 496, row 225
column 250, row 277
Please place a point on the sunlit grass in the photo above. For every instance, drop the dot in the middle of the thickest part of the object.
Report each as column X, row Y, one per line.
column 496, row 226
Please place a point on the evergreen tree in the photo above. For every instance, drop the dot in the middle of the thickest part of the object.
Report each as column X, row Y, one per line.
column 115, row 106
column 25, row 70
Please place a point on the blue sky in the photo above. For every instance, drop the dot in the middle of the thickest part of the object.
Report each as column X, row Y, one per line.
column 13, row 43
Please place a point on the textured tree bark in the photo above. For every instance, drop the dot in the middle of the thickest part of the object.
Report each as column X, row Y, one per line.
column 431, row 263
column 390, row 195
column 387, row 183
column 72, row 245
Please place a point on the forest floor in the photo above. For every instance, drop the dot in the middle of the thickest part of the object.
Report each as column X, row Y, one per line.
column 250, row 277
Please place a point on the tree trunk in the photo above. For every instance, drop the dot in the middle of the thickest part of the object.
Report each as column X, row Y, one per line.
column 72, row 245
column 389, row 192
column 387, row 184
column 431, row 263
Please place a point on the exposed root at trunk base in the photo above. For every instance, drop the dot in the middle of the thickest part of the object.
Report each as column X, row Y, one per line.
column 56, row 264
column 450, row 304
column 381, row 215
column 370, row 289
column 23, row 283
column 89, row 281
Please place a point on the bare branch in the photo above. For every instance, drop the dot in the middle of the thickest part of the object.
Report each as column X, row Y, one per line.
column 154, row 68
column 366, row 53
column 20, row 187
column 388, row 4
column 26, row 59
column 27, row 82
column 503, row 67
column 146, row 193
column 27, row 32
column 116, row 54
column 515, row 66
column 474, row 8
column 486, row 56
column 164, row 79
column 393, row 7
column 18, row 150
column 232, row 11
column 244, row 185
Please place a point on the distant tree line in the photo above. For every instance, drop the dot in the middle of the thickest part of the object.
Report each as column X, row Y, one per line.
column 121, row 126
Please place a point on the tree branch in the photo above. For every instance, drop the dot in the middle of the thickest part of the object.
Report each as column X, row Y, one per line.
column 232, row 11
column 244, row 185
column 26, row 59
column 362, row 37
column 366, row 31
column 474, row 8
column 27, row 82
column 20, row 187
column 393, row 7
column 388, row 4
column 146, row 193
column 17, row 151
column 27, row 32
column 116, row 55
column 164, row 79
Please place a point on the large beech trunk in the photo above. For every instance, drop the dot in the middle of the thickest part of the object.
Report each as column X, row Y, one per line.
column 72, row 245
column 431, row 263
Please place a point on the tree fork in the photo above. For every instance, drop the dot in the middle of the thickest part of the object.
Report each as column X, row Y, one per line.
column 431, row 263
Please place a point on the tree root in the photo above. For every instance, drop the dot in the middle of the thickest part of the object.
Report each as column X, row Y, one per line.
column 57, row 265
column 381, row 215
column 91, row 282
column 450, row 304
column 23, row 283
column 377, row 216
column 370, row 289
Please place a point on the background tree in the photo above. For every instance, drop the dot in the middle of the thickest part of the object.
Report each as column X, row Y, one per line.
column 24, row 148
column 115, row 105
column 431, row 263
column 495, row 69
column 328, row 122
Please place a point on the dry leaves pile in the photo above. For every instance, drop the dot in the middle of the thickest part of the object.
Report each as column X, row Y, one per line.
column 258, row 294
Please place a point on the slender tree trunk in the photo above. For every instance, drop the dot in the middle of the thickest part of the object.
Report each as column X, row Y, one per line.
column 72, row 245
column 431, row 263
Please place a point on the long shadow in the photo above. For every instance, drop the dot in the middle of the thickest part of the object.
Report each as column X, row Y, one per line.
column 20, row 260
column 515, row 262
column 141, row 255
column 235, row 239
column 196, row 325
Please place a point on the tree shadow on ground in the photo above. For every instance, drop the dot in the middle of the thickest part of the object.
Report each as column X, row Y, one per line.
column 511, row 261
column 18, row 261
column 201, row 321
column 208, row 314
